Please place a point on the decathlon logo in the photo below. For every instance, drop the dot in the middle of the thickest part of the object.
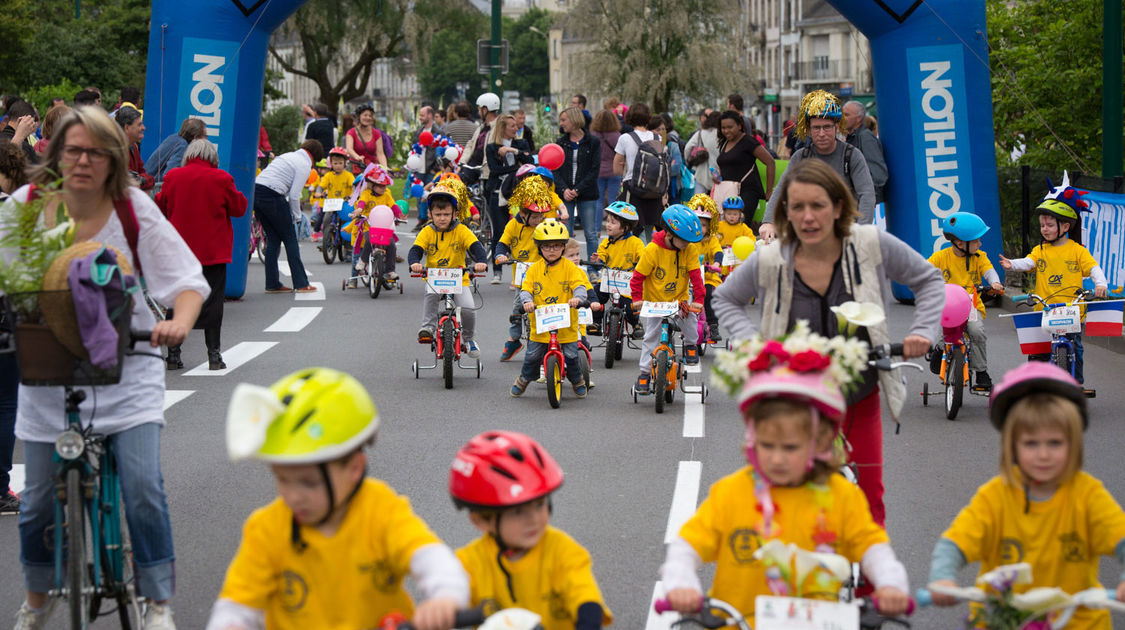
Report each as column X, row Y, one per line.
column 206, row 96
column 208, row 90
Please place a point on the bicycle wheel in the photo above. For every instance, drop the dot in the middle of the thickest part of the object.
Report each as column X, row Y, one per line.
column 554, row 381
column 259, row 239
column 610, row 331
column 954, row 382
column 1061, row 357
column 448, row 339
column 584, row 366
column 660, row 378
column 76, row 552
column 376, row 284
column 328, row 242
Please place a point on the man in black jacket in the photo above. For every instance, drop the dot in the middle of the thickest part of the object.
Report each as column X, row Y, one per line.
column 860, row 137
column 321, row 128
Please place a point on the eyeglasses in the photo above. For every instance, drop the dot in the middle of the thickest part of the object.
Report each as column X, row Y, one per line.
column 823, row 129
column 73, row 153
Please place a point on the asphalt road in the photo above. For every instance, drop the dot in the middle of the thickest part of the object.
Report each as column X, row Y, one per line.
column 625, row 465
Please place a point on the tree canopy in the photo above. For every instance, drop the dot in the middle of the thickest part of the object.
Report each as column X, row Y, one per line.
column 528, row 71
column 444, row 39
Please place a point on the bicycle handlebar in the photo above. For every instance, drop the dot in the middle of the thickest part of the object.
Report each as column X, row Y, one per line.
column 464, row 618
column 662, row 605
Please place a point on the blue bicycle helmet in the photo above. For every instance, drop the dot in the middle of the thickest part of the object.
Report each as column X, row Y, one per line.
column 542, row 170
column 682, row 222
column 733, row 203
column 623, row 209
column 964, row 226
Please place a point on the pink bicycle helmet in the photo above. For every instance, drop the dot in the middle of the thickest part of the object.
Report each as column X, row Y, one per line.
column 376, row 175
column 1034, row 377
column 958, row 306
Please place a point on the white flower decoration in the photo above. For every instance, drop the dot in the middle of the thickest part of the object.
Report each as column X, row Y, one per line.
column 851, row 315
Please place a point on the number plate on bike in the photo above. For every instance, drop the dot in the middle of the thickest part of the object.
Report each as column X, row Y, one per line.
column 585, row 316
column 333, row 205
column 616, row 281
column 659, row 309
column 519, row 272
column 789, row 613
column 443, row 281
column 729, row 259
column 1061, row 320
column 551, row 317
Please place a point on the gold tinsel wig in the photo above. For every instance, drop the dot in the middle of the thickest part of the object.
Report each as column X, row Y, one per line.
column 705, row 202
column 532, row 191
column 818, row 104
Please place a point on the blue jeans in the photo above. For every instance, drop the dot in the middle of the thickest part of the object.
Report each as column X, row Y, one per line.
column 277, row 223
column 137, row 451
column 590, row 224
column 9, row 390
column 608, row 189
column 533, row 358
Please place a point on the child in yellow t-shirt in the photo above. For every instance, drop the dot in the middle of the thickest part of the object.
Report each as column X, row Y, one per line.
column 517, row 245
column 573, row 252
column 373, row 191
column 335, row 184
column 668, row 268
column 556, row 209
column 552, row 280
column 619, row 250
column 1042, row 508
column 966, row 265
column 710, row 258
column 333, row 549
column 1059, row 262
column 505, row 480
column 791, row 492
column 732, row 227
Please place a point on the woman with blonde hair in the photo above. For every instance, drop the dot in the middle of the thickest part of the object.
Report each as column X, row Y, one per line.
column 504, row 153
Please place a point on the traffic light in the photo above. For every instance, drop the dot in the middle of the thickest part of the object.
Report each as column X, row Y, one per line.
column 547, row 108
column 776, row 108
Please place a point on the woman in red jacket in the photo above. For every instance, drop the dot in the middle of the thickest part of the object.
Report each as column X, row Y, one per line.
column 199, row 199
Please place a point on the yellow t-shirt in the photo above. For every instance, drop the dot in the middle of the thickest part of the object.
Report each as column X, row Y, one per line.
column 623, row 253
column 726, row 530
column 666, row 273
column 446, row 249
column 337, row 185
column 710, row 253
column 954, row 272
column 1061, row 538
column 346, row 581
column 727, row 232
column 518, row 236
column 554, row 285
column 552, row 580
column 369, row 201
column 1059, row 267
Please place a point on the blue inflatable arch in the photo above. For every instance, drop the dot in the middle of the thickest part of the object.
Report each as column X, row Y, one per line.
column 207, row 59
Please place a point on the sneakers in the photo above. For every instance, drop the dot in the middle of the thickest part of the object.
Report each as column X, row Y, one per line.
column 473, row 350
column 934, row 357
column 360, row 265
column 30, row 619
column 497, row 277
column 579, row 389
column 174, row 361
column 158, row 617
column 510, row 349
column 425, row 335
column 519, row 387
column 691, row 354
column 982, row 382
column 215, row 361
column 638, row 333
column 642, row 384
column 594, row 330
column 715, row 336
column 10, row 503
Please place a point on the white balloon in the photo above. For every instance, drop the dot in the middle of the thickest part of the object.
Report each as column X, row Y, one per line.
column 451, row 153
column 416, row 163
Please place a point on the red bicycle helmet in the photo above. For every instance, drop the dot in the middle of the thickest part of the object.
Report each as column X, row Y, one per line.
column 1034, row 377
column 500, row 469
column 338, row 151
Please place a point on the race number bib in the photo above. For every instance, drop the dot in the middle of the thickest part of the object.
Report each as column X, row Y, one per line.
column 729, row 259
column 659, row 309
column 333, row 205
column 443, row 281
column 551, row 317
column 616, row 281
column 585, row 316
column 789, row 613
column 519, row 272
column 1063, row 319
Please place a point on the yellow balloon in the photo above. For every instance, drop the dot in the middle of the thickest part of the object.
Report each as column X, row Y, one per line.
column 742, row 247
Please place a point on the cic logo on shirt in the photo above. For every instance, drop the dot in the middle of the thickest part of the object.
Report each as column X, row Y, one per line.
column 743, row 543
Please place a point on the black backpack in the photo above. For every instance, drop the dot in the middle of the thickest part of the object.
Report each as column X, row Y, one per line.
column 651, row 172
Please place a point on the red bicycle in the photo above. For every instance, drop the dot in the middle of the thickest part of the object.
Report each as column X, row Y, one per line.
column 554, row 364
column 447, row 344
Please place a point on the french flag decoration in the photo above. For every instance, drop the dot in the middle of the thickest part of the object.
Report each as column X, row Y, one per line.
column 1103, row 319
column 1033, row 338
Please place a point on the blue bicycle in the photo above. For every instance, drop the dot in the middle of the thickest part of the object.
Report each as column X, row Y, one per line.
column 1058, row 320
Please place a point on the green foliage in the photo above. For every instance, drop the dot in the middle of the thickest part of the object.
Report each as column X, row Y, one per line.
column 40, row 96
column 283, row 126
column 35, row 247
column 443, row 36
column 528, row 62
column 1046, row 56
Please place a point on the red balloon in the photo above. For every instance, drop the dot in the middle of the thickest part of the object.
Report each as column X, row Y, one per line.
column 426, row 138
column 551, row 156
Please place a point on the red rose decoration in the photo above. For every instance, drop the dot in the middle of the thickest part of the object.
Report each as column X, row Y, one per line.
column 772, row 350
column 809, row 361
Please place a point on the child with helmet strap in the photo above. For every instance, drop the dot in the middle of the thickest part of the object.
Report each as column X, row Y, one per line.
column 619, row 250
column 966, row 265
column 333, row 184
column 732, row 227
column 1041, row 506
column 530, row 184
column 307, row 555
column 517, row 245
column 552, row 280
column 710, row 258
column 668, row 268
column 505, row 480
column 1060, row 262
column 791, row 393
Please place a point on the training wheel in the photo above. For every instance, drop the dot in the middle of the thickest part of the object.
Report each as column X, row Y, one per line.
column 925, row 394
column 414, row 368
column 634, row 390
column 479, row 368
column 344, row 284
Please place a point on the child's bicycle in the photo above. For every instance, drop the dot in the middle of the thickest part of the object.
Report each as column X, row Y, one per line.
column 551, row 318
column 446, row 345
column 614, row 318
column 667, row 370
column 257, row 239
column 374, row 276
column 781, row 613
column 955, row 358
column 332, row 243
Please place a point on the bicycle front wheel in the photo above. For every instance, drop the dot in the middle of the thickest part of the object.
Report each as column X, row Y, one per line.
column 1061, row 358
column 376, row 283
column 76, row 549
column 954, row 382
column 328, row 242
column 554, row 381
column 259, row 239
column 660, row 378
column 447, row 341
column 610, row 334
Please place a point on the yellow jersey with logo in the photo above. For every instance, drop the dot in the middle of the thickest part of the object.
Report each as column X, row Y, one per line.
column 622, row 253
column 726, row 530
column 1062, row 538
column 348, row 580
column 369, row 201
column 555, row 285
column 337, row 185
column 446, row 249
column 726, row 233
column 954, row 271
column 518, row 236
column 710, row 254
column 1059, row 267
column 552, row 579
column 666, row 273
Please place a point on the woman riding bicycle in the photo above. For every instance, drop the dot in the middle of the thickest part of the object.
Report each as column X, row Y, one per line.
column 90, row 152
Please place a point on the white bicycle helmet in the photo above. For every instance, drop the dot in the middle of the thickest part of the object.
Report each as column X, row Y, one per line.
column 489, row 101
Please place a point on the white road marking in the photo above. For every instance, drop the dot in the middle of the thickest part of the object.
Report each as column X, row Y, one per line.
column 234, row 357
column 173, row 396
column 683, row 498
column 693, row 416
column 319, row 295
column 693, row 369
column 295, row 319
column 283, row 267
column 657, row 621
column 16, row 478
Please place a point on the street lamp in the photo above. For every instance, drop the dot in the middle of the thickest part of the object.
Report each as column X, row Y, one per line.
column 533, row 29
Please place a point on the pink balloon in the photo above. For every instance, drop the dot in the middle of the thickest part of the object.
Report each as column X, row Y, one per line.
column 551, row 156
column 426, row 138
column 958, row 306
column 381, row 217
